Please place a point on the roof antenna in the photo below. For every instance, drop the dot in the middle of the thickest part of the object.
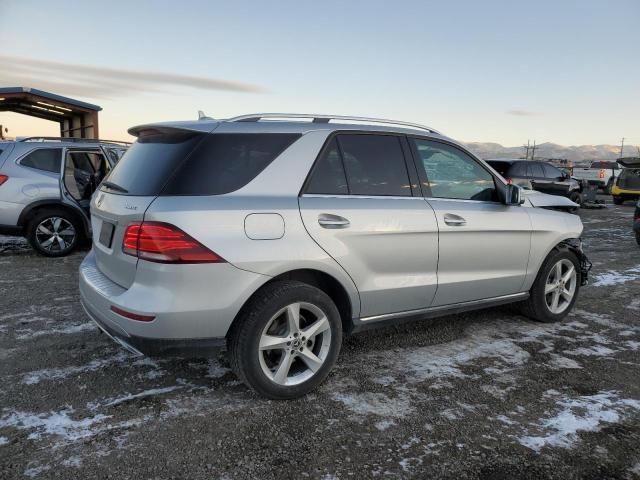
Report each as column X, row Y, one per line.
column 202, row 116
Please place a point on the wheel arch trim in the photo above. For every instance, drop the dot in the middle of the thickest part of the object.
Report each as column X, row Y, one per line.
column 56, row 203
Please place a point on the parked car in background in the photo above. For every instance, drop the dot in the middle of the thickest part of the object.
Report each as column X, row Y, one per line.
column 627, row 185
column 276, row 237
column 601, row 173
column 540, row 176
column 46, row 185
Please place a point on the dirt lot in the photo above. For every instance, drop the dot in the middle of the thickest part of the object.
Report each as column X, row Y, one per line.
column 482, row 395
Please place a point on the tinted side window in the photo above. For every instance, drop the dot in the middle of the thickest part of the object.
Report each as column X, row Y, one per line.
column 48, row 159
column 535, row 170
column 328, row 174
column 375, row 165
column 518, row 169
column 501, row 167
column 223, row 163
column 551, row 172
column 452, row 173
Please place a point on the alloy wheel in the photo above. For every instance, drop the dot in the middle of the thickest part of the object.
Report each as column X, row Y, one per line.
column 560, row 286
column 55, row 234
column 295, row 343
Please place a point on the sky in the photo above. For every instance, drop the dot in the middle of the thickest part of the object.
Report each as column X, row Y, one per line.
column 490, row 71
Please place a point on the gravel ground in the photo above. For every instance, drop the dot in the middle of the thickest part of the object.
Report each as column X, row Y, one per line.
column 482, row 395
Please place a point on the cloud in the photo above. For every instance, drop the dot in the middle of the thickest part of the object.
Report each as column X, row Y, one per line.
column 102, row 82
column 522, row 113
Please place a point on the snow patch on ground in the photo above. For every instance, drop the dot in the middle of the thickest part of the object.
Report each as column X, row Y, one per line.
column 613, row 277
column 215, row 370
column 582, row 414
column 635, row 304
column 52, row 423
column 4, row 440
column 37, row 376
column 27, row 334
column 33, row 472
column 558, row 362
column 374, row 404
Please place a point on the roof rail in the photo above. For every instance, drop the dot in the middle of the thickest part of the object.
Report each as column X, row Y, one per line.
column 255, row 117
column 74, row 140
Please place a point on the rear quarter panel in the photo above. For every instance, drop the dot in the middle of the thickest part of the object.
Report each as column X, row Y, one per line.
column 219, row 224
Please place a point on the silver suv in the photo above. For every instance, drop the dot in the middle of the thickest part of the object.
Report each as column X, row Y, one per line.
column 274, row 237
column 46, row 185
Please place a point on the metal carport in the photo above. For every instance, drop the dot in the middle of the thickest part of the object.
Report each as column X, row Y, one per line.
column 76, row 118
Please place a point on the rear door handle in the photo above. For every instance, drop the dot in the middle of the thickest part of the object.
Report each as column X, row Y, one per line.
column 454, row 220
column 327, row 220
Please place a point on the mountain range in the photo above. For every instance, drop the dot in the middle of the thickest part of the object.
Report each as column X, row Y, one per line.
column 553, row 150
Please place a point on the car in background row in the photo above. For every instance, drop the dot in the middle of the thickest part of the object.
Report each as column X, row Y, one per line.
column 627, row 185
column 275, row 234
column 540, row 176
column 603, row 174
column 46, row 185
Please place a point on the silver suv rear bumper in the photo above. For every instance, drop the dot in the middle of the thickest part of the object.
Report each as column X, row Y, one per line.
column 182, row 329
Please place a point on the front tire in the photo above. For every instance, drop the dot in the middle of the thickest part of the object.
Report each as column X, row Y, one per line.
column 54, row 232
column 286, row 340
column 618, row 200
column 555, row 289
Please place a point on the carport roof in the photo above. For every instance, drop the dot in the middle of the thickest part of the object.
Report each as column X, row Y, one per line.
column 49, row 96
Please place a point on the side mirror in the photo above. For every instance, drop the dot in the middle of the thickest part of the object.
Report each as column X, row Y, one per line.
column 513, row 195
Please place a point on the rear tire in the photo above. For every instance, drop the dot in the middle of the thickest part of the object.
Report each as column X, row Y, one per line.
column 618, row 200
column 576, row 198
column 275, row 351
column 555, row 279
column 54, row 232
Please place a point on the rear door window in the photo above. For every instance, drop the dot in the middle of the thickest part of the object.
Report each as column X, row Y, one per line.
column 518, row 169
column 327, row 176
column 374, row 165
column 535, row 170
column 47, row 159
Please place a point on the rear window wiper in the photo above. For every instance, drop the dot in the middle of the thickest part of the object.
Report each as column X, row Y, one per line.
column 114, row 186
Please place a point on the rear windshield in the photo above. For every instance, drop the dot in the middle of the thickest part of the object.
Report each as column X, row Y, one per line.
column 186, row 163
column 605, row 165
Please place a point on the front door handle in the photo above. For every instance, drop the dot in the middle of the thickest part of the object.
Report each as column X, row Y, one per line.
column 454, row 220
column 327, row 220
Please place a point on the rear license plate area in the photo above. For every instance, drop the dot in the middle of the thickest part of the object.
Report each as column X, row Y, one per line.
column 106, row 234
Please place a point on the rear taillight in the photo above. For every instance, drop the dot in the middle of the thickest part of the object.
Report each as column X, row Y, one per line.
column 509, row 181
column 165, row 243
column 602, row 173
column 3, row 178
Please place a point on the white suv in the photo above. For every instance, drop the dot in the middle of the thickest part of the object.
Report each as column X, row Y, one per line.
column 276, row 237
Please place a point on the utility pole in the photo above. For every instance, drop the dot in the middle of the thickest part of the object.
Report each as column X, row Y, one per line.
column 526, row 155
column 621, row 147
column 533, row 152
